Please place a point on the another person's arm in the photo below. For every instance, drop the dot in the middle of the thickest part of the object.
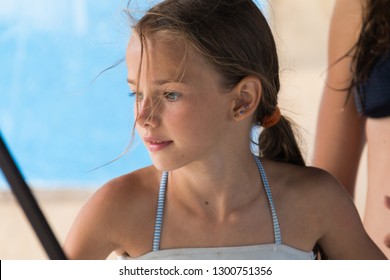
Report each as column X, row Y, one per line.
column 340, row 129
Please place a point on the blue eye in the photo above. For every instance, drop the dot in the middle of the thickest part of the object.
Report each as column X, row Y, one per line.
column 172, row 96
column 139, row 95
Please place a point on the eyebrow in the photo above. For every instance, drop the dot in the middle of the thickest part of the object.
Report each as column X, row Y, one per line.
column 158, row 82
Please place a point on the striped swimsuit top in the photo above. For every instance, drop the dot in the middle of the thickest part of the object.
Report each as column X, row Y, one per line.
column 273, row 251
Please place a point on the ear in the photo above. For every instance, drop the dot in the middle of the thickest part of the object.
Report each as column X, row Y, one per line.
column 247, row 95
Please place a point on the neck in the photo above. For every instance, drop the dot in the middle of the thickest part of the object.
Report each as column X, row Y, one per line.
column 216, row 187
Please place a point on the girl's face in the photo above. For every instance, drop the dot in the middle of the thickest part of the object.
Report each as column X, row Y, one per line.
column 182, row 112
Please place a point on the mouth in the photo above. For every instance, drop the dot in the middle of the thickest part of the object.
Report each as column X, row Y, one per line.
column 155, row 145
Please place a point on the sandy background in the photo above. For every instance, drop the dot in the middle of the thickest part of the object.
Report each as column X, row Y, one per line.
column 301, row 29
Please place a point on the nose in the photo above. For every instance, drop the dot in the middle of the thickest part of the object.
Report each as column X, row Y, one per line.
column 147, row 113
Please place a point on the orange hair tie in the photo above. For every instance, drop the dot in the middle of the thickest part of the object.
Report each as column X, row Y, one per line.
column 271, row 120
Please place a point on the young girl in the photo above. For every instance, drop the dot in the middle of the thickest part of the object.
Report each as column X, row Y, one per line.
column 204, row 74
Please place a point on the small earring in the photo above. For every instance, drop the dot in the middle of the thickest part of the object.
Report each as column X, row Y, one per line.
column 242, row 111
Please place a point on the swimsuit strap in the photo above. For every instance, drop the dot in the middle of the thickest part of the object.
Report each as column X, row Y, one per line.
column 277, row 233
column 161, row 201
column 160, row 211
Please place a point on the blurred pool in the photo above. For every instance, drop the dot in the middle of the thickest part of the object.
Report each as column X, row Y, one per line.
column 59, row 121
column 59, row 117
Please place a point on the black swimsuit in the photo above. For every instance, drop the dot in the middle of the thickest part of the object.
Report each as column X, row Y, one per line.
column 373, row 96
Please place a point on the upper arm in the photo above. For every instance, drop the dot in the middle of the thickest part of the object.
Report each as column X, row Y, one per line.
column 344, row 236
column 340, row 129
column 344, row 32
column 90, row 236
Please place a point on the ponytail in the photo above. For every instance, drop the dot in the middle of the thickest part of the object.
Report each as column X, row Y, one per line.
column 278, row 143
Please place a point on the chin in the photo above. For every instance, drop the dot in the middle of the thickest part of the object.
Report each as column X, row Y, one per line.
column 164, row 164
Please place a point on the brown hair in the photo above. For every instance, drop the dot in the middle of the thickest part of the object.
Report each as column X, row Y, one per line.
column 234, row 36
column 373, row 41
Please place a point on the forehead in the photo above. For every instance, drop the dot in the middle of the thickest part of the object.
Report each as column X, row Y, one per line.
column 158, row 43
column 161, row 56
column 168, row 58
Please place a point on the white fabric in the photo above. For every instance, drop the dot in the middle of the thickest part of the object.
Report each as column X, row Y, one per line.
column 253, row 252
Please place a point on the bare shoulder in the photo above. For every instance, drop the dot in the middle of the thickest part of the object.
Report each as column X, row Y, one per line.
column 314, row 195
column 315, row 200
column 307, row 182
column 131, row 186
column 111, row 217
column 127, row 199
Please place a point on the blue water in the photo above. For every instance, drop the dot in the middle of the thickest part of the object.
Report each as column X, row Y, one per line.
column 59, row 117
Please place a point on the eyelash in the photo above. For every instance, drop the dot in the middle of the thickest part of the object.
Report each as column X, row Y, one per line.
column 166, row 95
column 133, row 94
column 177, row 96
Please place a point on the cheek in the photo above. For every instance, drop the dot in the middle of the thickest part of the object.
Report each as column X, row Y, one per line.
column 196, row 123
column 183, row 121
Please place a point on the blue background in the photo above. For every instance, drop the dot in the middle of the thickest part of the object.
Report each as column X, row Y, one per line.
column 59, row 117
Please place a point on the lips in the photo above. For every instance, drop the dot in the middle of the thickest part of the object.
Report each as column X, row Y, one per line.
column 154, row 144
